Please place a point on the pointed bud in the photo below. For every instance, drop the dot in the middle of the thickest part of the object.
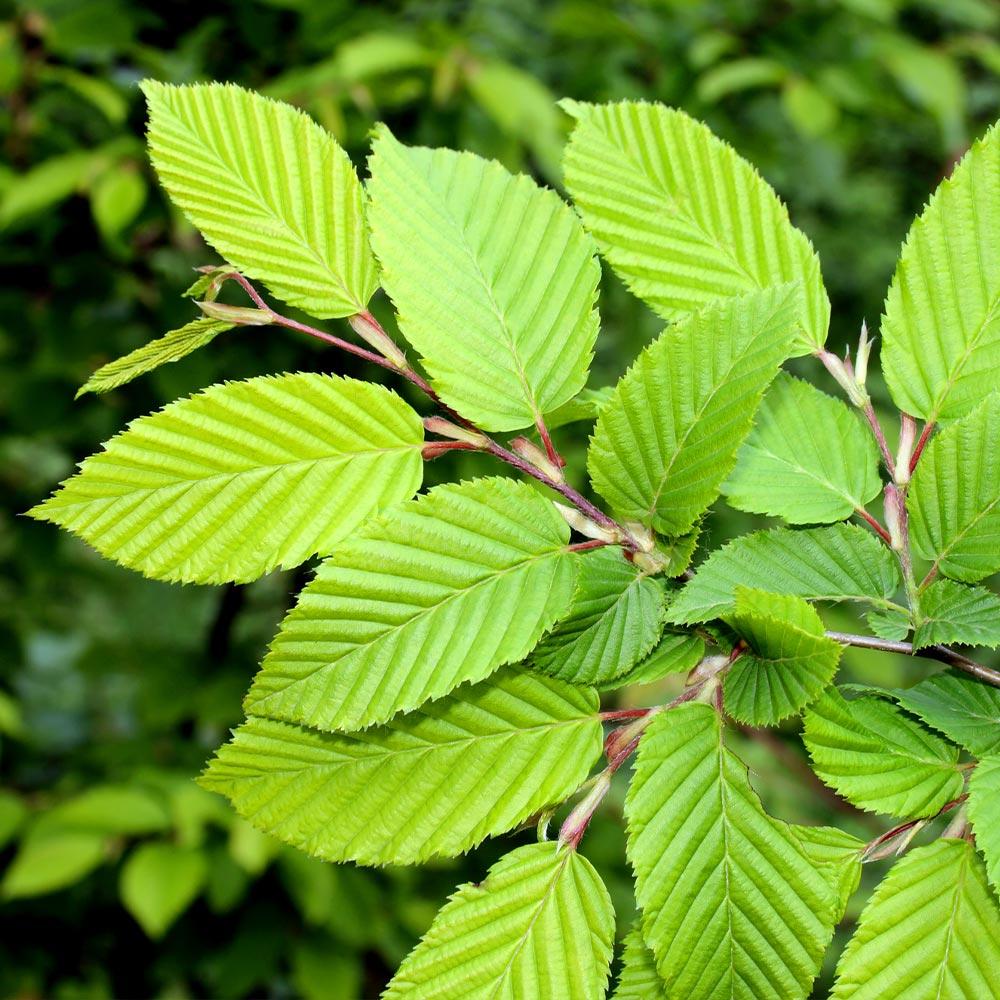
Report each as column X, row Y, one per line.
column 708, row 667
column 367, row 328
column 845, row 378
column 237, row 315
column 907, row 438
column 439, row 425
column 583, row 524
column 895, row 512
column 530, row 452
column 207, row 286
column 862, row 356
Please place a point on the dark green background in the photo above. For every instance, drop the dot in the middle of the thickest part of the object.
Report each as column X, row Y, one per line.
column 852, row 110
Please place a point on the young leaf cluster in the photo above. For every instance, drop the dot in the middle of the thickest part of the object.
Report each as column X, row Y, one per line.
column 440, row 678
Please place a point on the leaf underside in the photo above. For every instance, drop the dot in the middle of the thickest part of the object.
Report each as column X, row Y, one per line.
column 440, row 590
column 789, row 661
column 732, row 906
column 668, row 436
column 837, row 563
column 681, row 217
column 434, row 782
column 614, row 620
column 540, row 925
column 878, row 758
column 953, row 613
column 244, row 477
column 941, row 326
column 170, row 347
column 270, row 189
column 807, row 460
column 954, row 498
column 493, row 278
column 931, row 931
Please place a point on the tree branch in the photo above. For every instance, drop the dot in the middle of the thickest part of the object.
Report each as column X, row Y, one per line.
column 943, row 654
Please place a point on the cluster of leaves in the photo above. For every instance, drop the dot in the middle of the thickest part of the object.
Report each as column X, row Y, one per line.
column 438, row 681
column 111, row 675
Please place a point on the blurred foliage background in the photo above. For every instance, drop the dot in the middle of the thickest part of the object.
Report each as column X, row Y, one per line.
column 120, row 878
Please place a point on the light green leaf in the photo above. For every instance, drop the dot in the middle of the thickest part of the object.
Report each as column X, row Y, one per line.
column 807, row 460
column 244, row 477
column 639, row 979
column 967, row 711
column 673, row 654
column 170, row 347
column 668, row 436
column 837, row 856
column 954, row 498
column 585, row 405
column 540, row 925
column 931, row 931
column 681, row 217
column 108, row 809
column 493, row 278
column 435, row 782
column 889, row 623
column 984, row 814
column 159, row 882
column 270, row 189
column 941, row 327
column 50, row 861
column 878, row 758
column 13, row 813
column 789, row 662
column 732, row 905
column 614, row 620
column 440, row 590
column 953, row 613
column 839, row 563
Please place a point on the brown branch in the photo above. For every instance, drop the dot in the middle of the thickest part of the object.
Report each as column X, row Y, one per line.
column 943, row 654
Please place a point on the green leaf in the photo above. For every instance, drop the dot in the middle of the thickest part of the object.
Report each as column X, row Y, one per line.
column 967, row 711
column 438, row 591
column 984, row 814
column 954, row 498
column 789, row 662
column 879, row 759
column 837, row 856
column 244, row 477
column 614, row 620
column 668, row 436
column 839, row 563
column 493, row 277
column 889, row 623
column 673, row 654
column 639, row 979
column 269, row 189
column 49, row 861
column 585, row 405
column 540, row 925
column 432, row 783
column 930, row 931
column 13, row 813
column 171, row 347
column 953, row 613
column 807, row 460
column 732, row 905
column 941, row 327
column 108, row 809
column 681, row 217
column 159, row 882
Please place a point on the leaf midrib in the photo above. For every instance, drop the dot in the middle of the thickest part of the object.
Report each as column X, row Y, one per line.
column 425, row 748
column 271, row 469
column 383, row 637
column 268, row 209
